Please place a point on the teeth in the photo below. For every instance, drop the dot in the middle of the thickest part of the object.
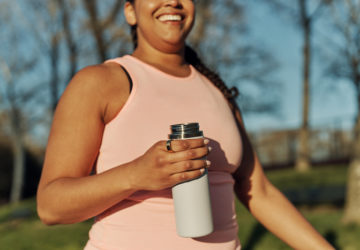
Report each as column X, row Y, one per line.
column 170, row 18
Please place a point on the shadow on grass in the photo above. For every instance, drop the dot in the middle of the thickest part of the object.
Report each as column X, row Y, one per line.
column 26, row 210
column 330, row 236
column 257, row 232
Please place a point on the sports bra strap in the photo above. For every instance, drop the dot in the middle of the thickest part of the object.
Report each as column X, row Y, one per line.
column 128, row 76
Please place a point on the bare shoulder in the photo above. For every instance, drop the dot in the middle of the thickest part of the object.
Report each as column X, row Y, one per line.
column 103, row 85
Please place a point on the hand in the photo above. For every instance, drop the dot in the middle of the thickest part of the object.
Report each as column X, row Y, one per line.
column 158, row 168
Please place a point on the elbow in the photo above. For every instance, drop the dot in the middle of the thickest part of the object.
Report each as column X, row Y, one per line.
column 51, row 215
column 45, row 213
column 45, row 208
column 46, row 216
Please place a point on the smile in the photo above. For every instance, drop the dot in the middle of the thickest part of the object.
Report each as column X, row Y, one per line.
column 169, row 17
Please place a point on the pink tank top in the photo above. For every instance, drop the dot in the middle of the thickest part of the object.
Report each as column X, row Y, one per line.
column 146, row 220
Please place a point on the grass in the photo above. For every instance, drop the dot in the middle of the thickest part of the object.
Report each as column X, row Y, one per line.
column 317, row 177
column 326, row 220
column 324, row 215
column 21, row 229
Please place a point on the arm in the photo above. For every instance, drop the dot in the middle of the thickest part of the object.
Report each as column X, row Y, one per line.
column 65, row 185
column 269, row 206
column 67, row 193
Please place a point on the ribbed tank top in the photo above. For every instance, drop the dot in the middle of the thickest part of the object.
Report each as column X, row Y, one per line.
column 146, row 220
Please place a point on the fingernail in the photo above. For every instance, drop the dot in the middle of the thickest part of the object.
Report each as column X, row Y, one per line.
column 209, row 148
column 202, row 170
column 206, row 141
column 208, row 163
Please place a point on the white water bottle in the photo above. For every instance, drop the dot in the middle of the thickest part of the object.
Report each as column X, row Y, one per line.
column 191, row 198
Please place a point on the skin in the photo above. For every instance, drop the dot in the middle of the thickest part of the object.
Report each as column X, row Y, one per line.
column 67, row 193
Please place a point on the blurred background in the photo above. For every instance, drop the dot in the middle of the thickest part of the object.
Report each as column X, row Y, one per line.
column 296, row 64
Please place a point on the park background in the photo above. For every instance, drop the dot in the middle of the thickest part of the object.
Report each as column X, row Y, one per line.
column 268, row 49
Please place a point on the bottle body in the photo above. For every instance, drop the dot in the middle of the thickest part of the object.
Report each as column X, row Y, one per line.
column 192, row 198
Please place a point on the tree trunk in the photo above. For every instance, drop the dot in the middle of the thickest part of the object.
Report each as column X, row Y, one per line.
column 303, row 156
column 91, row 8
column 18, row 168
column 352, row 203
column 70, row 42
column 54, row 82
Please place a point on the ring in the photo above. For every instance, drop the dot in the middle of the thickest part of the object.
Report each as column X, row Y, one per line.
column 168, row 145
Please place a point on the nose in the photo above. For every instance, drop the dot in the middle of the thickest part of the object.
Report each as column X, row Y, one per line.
column 173, row 3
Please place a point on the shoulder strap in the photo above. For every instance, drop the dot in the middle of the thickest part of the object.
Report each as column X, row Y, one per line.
column 128, row 76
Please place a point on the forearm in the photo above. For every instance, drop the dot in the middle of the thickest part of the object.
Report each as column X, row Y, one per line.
column 276, row 213
column 71, row 200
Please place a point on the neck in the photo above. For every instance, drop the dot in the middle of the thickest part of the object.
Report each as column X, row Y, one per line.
column 156, row 57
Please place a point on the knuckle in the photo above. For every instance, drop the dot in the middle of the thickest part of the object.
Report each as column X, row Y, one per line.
column 191, row 154
column 188, row 165
column 181, row 177
column 185, row 144
column 159, row 160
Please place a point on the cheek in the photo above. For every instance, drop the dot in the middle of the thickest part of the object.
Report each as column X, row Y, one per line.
column 192, row 11
column 144, row 9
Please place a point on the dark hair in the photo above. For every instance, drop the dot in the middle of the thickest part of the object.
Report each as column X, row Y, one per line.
column 192, row 58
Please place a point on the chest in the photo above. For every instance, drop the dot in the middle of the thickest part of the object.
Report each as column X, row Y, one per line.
column 155, row 104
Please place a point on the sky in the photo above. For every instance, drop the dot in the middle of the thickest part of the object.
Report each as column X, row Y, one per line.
column 332, row 103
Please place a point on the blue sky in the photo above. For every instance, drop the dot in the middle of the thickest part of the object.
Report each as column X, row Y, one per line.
column 332, row 103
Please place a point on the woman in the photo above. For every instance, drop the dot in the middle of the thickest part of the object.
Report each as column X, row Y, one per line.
column 115, row 117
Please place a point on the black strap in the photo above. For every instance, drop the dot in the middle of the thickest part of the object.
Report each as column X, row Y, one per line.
column 129, row 77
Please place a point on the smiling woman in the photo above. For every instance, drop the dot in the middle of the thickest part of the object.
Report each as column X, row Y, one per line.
column 113, row 118
column 165, row 28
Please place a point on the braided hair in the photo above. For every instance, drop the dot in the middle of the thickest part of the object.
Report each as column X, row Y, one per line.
column 192, row 58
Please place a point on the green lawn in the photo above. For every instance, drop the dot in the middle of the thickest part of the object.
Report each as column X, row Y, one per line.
column 21, row 229
column 326, row 220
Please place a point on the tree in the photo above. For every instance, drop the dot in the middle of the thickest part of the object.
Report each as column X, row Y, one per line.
column 238, row 58
column 16, row 122
column 70, row 40
column 345, row 64
column 52, row 16
column 304, row 18
column 18, row 96
column 101, row 23
column 13, row 118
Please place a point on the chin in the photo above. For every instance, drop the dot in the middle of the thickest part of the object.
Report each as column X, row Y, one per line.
column 170, row 45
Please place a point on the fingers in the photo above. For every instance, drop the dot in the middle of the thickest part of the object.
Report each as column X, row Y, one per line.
column 190, row 154
column 187, row 176
column 187, row 170
column 181, row 145
column 186, row 166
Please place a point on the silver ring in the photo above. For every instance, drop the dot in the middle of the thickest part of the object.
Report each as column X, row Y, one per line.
column 168, row 145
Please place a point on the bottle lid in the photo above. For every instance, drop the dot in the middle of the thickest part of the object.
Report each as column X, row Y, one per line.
column 185, row 131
